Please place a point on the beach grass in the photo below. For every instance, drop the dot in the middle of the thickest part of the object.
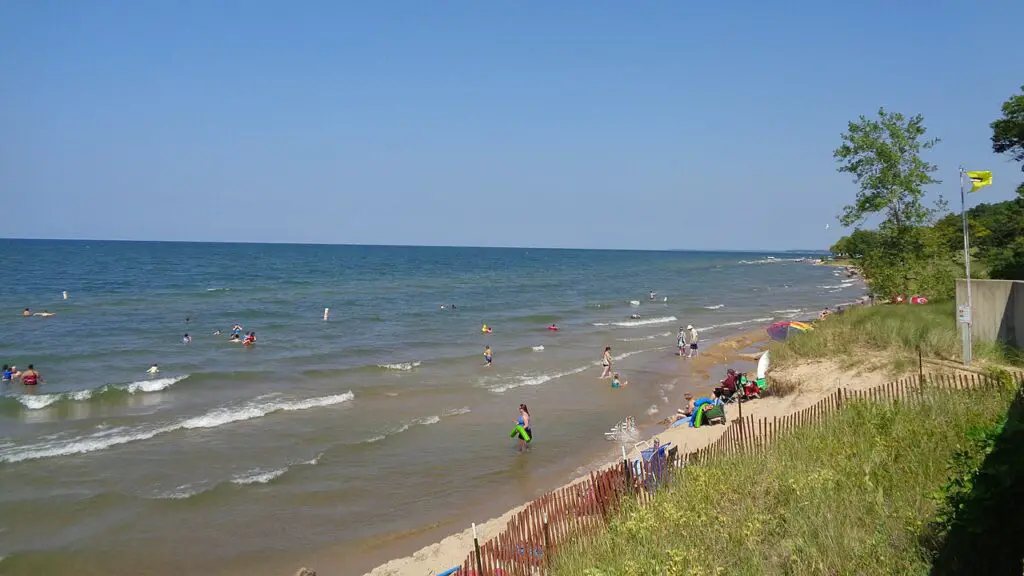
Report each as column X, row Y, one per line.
column 887, row 334
column 855, row 494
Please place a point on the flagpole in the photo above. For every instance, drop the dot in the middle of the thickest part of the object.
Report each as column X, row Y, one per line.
column 965, row 318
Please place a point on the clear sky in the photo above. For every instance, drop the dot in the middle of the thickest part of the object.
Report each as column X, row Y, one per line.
column 595, row 124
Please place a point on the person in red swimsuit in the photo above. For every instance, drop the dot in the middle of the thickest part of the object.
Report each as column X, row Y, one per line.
column 30, row 377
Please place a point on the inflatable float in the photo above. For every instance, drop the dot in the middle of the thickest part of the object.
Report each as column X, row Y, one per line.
column 520, row 432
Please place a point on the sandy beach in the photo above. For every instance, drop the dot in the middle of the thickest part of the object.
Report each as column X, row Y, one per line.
column 818, row 379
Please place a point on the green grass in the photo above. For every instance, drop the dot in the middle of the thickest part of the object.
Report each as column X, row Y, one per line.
column 853, row 495
column 890, row 334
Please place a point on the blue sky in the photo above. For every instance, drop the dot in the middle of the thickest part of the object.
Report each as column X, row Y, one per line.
column 588, row 124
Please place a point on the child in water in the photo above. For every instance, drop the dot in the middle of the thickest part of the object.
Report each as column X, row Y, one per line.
column 488, row 356
column 616, row 383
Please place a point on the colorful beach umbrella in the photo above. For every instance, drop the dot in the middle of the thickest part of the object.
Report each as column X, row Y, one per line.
column 782, row 330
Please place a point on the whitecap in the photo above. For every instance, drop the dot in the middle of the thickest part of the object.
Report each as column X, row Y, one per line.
column 538, row 348
column 155, row 385
column 258, row 476
column 117, row 436
column 403, row 366
column 715, row 307
column 641, row 322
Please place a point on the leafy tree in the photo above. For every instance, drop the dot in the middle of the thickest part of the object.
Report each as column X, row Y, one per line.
column 1005, row 255
column 883, row 155
column 1008, row 132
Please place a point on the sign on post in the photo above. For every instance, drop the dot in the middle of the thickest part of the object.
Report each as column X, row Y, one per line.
column 963, row 314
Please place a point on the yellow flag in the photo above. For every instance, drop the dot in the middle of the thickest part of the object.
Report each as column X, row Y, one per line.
column 980, row 179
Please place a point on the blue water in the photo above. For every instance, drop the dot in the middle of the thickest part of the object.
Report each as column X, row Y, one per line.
column 335, row 428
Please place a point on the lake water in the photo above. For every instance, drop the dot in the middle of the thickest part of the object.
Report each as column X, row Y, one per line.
column 363, row 433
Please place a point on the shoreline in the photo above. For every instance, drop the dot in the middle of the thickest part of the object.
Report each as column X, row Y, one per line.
column 700, row 373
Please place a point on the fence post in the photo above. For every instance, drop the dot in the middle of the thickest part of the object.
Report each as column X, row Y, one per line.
column 476, row 547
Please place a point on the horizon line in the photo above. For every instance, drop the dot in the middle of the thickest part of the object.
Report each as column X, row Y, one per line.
column 297, row 243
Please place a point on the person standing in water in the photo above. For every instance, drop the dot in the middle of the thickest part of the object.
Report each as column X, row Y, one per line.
column 606, row 361
column 681, row 342
column 694, row 337
column 30, row 377
column 488, row 356
column 524, row 422
column 154, row 369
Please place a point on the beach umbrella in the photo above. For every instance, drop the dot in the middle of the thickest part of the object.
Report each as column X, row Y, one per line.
column 782, row 330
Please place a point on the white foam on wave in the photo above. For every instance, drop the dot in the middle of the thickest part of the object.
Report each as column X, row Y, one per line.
column 258, row 476
column 117, row 436
column 40, row 401
column 639, row 322
column 403, row 366
column 221, row 416
column 738, row 323
column 771, row 260
column 425, row 421
column 181, row 492
column 715, row 307
column 538, row 348
column 218, row 289
column 538, row 379
column 790, row 311
column 154, row 385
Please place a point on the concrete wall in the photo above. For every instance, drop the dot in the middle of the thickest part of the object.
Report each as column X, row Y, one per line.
column 997, row 310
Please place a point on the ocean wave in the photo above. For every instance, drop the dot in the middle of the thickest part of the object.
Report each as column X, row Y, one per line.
column 639, row 322
column 790, row 311
column 40, row 401
column 120, row 435
column 715, row 307
column 425, row 421
column 538, row 379
column 771, row 260
column 258, row 476
column 218, row 289
column 537, row 348
column 404, row 366
column 738, row 323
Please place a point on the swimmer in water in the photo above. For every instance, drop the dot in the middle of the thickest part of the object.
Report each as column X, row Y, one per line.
column 186, row 339
column 486, row 329
column 553, row 327
column 216, row 332
column 7, row 375
column 26, row 312
column 153, row 369
column 30, row 377
column 616, row 383
column 635, row 315
column 235, row 337
column 488, row 356
column 250, row 339
column 524, row 421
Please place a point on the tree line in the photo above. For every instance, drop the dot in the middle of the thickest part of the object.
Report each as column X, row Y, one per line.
column 918, row 248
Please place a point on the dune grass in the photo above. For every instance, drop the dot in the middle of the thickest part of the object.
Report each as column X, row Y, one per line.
column 888, row 334
column 853, row 495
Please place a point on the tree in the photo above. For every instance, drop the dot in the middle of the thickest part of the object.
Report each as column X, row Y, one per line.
column 1008, row 132
column 1006, row 257
column 883, row 155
